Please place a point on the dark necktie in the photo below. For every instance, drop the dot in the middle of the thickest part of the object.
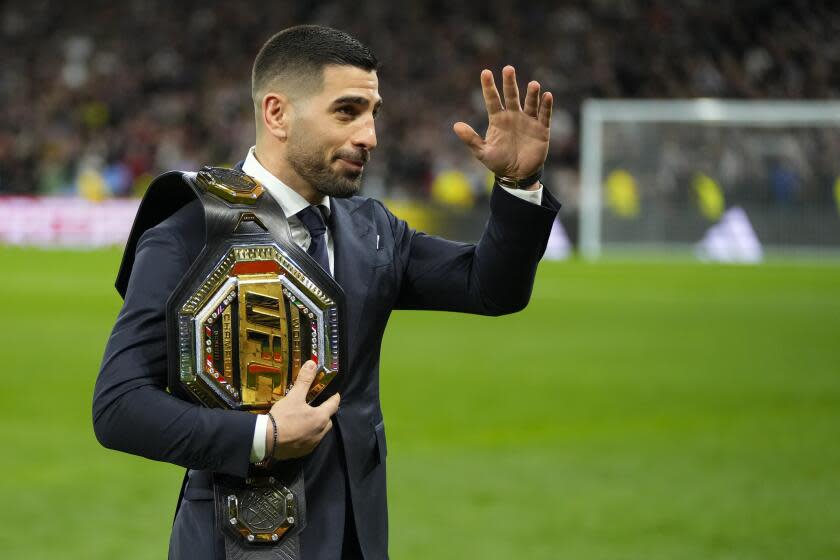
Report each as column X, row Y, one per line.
column 314, row 221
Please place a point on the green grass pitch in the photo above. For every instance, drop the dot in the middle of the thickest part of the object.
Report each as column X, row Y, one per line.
column 633, row 411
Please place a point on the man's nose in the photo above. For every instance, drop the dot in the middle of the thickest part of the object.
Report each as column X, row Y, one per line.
column 365, row 137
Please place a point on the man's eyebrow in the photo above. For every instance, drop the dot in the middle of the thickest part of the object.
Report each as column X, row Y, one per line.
column 357, row 100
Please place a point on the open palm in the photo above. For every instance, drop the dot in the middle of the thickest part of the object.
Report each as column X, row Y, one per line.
column 516, row 142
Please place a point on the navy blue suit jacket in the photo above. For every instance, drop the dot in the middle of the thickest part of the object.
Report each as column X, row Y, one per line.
column 132, row 411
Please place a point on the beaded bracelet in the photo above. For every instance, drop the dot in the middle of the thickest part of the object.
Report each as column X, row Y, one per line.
column 270, row 454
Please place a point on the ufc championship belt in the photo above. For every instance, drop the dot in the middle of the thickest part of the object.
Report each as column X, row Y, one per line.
column 252, row 308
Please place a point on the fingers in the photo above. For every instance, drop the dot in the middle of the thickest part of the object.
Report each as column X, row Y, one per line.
column 511, row 89
column 536, row 105
column 468, row 136
column 545, row 109
column 491, row 94
column 304, row 380
column 330, row 406
column 532, row 99
column 327, row 427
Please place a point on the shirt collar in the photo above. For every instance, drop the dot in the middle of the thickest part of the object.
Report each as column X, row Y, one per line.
column 289, row 200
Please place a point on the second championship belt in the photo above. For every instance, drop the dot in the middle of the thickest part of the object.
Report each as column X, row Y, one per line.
column 252, row 309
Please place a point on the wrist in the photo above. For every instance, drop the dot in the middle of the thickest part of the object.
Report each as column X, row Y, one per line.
column 531, row 182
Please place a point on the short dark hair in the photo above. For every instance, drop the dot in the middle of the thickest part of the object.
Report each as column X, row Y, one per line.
column 297, row 56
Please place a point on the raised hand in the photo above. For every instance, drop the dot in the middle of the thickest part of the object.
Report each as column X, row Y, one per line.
column 516, row 143
column 300, row 427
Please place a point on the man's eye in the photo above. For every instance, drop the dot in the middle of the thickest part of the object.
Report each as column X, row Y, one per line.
column 347, row 110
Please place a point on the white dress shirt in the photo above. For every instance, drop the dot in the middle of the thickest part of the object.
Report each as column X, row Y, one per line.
column 292, row 203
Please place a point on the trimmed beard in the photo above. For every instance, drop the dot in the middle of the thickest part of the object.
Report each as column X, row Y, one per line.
column 308, row 162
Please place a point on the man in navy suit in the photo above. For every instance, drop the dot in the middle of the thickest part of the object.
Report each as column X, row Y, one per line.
column 316, row 98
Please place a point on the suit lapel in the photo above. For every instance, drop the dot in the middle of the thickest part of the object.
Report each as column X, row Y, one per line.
column 354, row 252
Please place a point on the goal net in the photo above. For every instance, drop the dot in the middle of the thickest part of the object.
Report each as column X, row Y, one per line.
column 741, row 176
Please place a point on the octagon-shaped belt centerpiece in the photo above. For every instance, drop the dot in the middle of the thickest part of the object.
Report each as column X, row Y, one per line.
column 248, row 328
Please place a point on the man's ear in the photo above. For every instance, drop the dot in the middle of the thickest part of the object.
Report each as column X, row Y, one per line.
column 276, row 114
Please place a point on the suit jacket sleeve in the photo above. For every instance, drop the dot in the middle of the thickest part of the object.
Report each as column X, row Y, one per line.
column 132, row 411
column 493, row 277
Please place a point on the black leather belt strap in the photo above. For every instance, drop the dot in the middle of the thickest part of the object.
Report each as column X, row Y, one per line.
column 225, row 220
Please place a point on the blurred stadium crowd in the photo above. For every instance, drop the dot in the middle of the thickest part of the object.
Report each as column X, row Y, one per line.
column 97, row 98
